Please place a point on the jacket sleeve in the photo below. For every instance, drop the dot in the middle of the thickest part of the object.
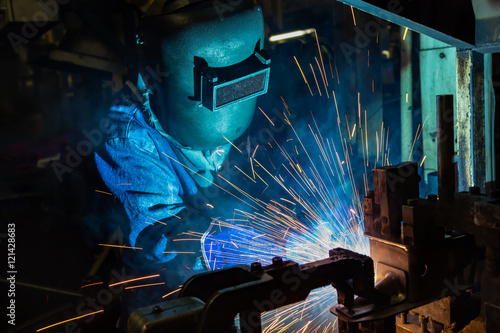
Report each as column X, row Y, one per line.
column 149, row 189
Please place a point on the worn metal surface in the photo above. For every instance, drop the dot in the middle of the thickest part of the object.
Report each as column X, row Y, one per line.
column 471, row 120
column 437, row 77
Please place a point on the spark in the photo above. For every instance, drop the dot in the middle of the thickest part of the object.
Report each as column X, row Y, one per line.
column 321, row 57
column 293, row 203
column 161, row 221
column 238, row 149
column 303, row 76
column 423, row 159
column 336, row 106
column 414, row 140
column 266, row 116
column 315, row 79
column 172, row 292
column 135, row 279
column 404, row 35
column 353, row 17
column 226, row 138
column 103, row 192
column 145, row 285
column 423, row 125
column 337, row 72
column 210, row 206
column 323, row 76
column 254, row 151
column 91, row 284
column 253, row 170
column 68, row 320
column 261, row 179
column 121, row 246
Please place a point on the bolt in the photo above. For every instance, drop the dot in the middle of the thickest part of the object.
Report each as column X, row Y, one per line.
column 412, row 202
column 430, row 326
column 277, row 261
column 256, row 267
column 423, row 323
column 475, row 190
column 156, row 309
column 404, row 318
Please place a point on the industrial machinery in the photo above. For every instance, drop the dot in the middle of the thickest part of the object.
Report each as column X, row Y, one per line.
column 423, row 274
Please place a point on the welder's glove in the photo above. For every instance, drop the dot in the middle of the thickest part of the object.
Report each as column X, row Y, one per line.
column 165, row 240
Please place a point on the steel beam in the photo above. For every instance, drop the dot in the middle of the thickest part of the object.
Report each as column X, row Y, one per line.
column 452, row 22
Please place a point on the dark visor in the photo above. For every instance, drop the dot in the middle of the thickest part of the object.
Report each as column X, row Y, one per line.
column 223, row 86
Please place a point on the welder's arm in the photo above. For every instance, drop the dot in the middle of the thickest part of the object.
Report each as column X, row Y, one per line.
column 150, row 191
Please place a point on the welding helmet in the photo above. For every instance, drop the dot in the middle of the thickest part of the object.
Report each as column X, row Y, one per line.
column 214, row 67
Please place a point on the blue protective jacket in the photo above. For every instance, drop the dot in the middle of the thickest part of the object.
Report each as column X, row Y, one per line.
column 140, row 167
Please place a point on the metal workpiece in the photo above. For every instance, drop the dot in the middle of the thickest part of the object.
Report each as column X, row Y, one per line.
column 394, row 185
column 471, row 120
column 210, row 301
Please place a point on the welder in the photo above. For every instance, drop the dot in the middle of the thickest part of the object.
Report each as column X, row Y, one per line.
column 202, row 66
